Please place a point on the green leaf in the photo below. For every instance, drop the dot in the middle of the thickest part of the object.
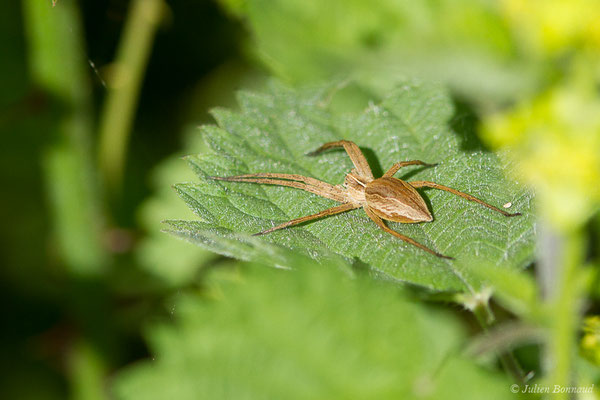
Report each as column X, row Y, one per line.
column 311, row 334
column 275, row 130
column 464, row 43
column 516, row 291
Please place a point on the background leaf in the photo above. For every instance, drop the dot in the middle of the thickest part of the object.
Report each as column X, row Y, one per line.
column 275, row 130
column 309, row 334
column 163, row 256
column 464, row 43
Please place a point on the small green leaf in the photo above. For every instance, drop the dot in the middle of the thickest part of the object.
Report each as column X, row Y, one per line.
column 274, row 131
column 516, row 291
column 311, row 334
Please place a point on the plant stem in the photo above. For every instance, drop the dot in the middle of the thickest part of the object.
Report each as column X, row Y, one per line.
column 124, row 87
column 58, row 65
column 510, row 364
column 563, row 303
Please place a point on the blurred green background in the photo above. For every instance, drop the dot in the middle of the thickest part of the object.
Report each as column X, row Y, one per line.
column 99, row 100
column 74, row 292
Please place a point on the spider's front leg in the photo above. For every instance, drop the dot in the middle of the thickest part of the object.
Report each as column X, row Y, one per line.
column 390, row 172
column 357, row 157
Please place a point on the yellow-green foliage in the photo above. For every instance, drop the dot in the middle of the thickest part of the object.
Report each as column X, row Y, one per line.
column 554, row 26
column 554, row 140
column 590, row 343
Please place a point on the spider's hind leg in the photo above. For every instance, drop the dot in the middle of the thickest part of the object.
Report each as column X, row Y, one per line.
column 433, row 185
column 400, row 236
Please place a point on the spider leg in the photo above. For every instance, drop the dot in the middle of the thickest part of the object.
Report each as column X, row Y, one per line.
column 357, row 157
column 387, row 229
column 292, row 177
column 433, row 185
column 306, row 183
column 330, row 211
column 390, row 172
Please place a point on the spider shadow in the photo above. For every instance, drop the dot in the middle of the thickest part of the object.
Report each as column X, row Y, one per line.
column 378, row 170
column 412, row 173
column 426, row 200
column 464, row 123
column 373, row 161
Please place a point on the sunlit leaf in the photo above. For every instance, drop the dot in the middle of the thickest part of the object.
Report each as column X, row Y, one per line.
column 275, row 130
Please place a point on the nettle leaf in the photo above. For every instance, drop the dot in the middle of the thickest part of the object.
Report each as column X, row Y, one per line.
column 311, row 334
column 274, row 131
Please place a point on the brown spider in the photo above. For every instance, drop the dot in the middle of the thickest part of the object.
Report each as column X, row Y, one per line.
column 386, row 198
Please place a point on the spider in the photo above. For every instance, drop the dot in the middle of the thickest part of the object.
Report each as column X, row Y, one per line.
column 385, row 198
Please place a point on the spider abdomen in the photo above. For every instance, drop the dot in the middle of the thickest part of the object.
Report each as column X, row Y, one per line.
column 395, row 200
